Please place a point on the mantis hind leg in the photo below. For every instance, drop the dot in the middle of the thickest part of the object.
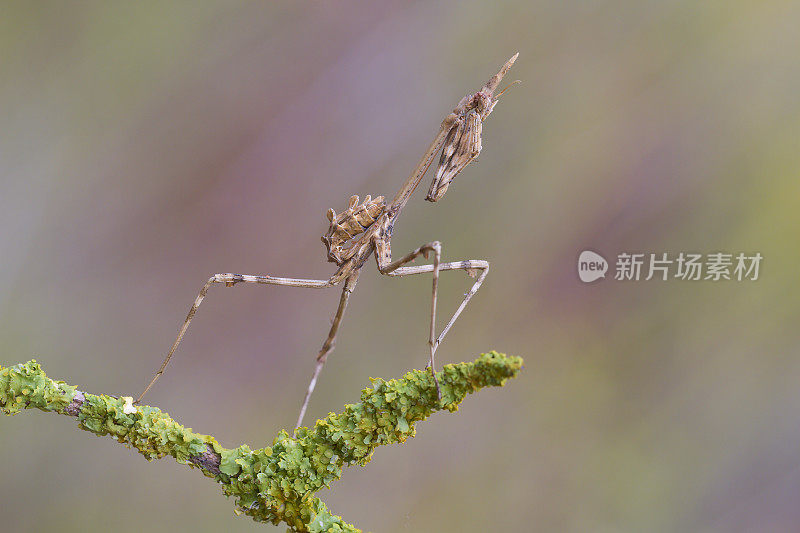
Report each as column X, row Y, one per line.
column 230, row 280
column 327, row 346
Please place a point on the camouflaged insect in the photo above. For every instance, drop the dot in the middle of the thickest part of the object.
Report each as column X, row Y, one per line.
column 365, row 229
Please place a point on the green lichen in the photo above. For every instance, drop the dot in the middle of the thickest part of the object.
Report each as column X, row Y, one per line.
column 149, row 430
column 25, row 386
column 274, row 484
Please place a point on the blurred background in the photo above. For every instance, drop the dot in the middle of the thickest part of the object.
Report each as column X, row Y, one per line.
column 145, row 146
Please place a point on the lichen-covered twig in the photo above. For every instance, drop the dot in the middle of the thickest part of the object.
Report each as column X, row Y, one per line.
column 276, row 483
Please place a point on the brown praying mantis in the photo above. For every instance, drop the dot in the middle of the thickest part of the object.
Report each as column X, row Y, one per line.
column 366, row 228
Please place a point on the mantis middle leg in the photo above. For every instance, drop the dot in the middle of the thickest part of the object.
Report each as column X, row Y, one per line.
column 396, row 268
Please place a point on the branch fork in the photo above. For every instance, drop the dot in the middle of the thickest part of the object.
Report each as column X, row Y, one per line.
column 276, row 483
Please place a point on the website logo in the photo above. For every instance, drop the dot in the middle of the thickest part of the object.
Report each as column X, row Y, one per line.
column 684, row 266
column 591, row 266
